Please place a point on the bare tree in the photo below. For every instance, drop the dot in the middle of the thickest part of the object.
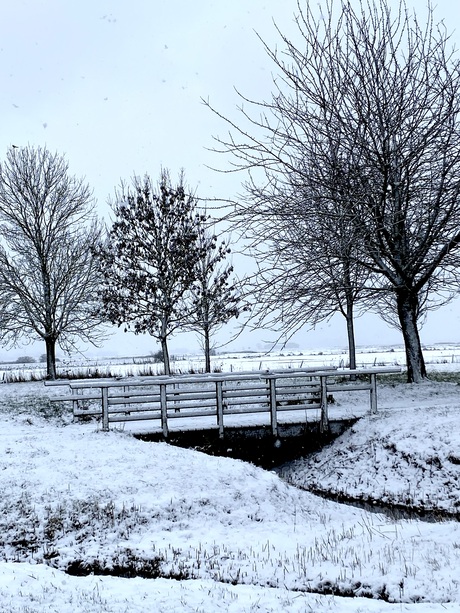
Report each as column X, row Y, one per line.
column 48, row 281
column 381, row 93
column 214, row 298
column 150, row 258
column 308, row 266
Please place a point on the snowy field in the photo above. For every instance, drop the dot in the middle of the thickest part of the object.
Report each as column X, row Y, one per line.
column 202, row 534
column 436, row 356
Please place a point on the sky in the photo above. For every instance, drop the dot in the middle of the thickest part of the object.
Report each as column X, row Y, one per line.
column 118, row 89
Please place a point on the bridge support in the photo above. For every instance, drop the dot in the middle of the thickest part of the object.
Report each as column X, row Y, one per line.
column 373, row 393
column 273, row 417
column 164, row 410
column 324, row 421
column 105, row 408
column 220, row 408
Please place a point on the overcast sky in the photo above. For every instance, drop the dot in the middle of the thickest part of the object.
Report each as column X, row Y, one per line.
column 117, row 88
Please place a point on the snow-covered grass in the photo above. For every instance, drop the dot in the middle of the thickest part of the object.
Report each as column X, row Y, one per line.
column 222, row 535
column 441, row 355
column 392, row 460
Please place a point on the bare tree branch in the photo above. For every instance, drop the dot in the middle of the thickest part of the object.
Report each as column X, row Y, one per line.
column 362, row 133
column 48, row 280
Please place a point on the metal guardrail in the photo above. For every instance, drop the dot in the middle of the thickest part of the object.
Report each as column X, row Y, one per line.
column 216, row 395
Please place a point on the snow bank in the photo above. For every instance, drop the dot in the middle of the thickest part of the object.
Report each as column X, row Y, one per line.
column 76, row 499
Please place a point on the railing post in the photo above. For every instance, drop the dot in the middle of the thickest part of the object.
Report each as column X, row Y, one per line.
column 164, row 410
column 373, row 393
column 125, row 390
column 74, row 402
column 324, row 422
column 105, row 408
column 220, row 408
column 273, row 419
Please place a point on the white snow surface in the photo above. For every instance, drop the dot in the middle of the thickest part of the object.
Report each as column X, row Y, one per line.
column 224, row 535
column 408, row 454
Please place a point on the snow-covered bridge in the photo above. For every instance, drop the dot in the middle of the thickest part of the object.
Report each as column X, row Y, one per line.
column 217, row 401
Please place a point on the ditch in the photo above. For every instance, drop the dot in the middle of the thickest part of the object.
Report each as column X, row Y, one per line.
column 257, row 444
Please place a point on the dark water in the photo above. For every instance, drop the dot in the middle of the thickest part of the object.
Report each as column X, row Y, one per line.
column 257, row 445
column 394, row 511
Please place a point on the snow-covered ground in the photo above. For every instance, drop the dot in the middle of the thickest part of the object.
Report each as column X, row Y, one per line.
column 394, row 457
column 445, row 355
column 223, row 535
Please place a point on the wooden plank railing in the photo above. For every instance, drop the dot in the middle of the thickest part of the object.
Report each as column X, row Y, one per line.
column 217, row 395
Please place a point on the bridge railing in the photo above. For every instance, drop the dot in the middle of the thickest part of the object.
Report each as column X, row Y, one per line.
column 216, row 395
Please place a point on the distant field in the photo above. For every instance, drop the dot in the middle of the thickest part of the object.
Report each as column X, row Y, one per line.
column 438, row 357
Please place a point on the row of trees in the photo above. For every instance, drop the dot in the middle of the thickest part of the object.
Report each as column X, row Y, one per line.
column 353, row 172
column 163, row 269
column 158, row 269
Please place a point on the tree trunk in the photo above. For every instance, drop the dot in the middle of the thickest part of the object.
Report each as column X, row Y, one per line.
column 207, row 350
column 407, row 312
column 351, row 343
column 164, row 349
column 351, row 333
column 50, row 344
